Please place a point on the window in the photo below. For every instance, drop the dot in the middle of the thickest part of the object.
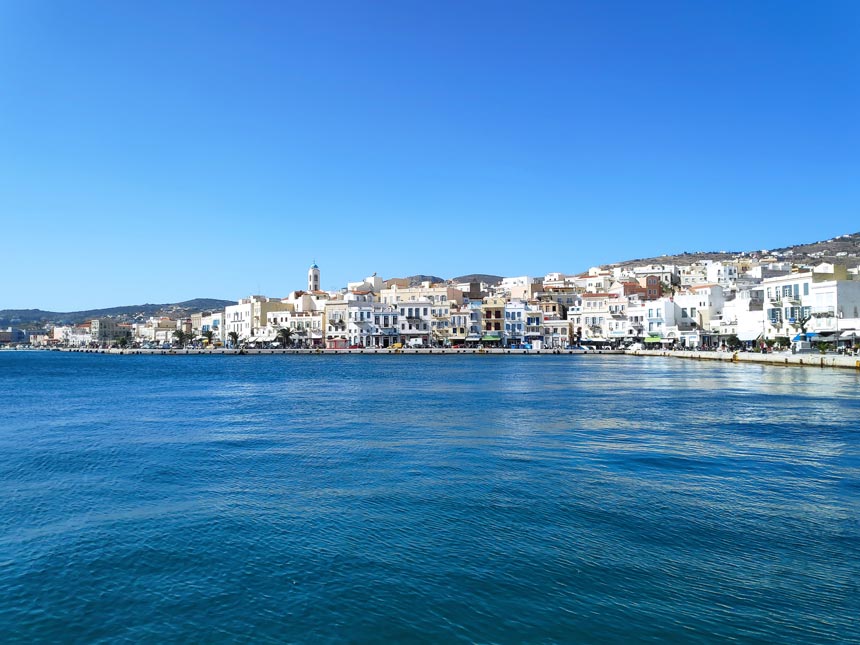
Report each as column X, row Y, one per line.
column 805, row 288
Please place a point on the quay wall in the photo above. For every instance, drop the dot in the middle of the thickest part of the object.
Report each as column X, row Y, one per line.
column 332, row 352
column 779, row 358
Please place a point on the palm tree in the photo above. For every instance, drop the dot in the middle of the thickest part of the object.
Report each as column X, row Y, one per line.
column 285, row 336
column 208, row 335
column 180, row 337
column 234, row 338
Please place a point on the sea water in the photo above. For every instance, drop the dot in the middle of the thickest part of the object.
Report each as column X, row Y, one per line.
column 503, row 499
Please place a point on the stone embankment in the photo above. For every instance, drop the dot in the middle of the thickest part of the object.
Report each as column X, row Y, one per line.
column 776, row 358
column 332, row 352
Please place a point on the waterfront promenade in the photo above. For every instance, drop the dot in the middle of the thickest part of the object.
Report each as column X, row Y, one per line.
column 367, row 350
column 779, row 358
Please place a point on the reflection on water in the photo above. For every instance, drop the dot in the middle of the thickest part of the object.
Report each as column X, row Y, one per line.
column 393, row 498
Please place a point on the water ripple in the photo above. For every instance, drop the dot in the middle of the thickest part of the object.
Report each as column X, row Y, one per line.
column 425, row 499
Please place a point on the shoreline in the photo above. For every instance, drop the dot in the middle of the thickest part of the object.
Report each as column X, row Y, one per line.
column 780, row 359
column 330, row 352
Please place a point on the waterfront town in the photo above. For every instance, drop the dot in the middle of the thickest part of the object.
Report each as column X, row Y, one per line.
column 754, row 303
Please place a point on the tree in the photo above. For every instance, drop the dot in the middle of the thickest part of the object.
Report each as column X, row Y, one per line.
column 180, row 337
column 822, row 346
column 208, row 335
column 733, row 342
column 668, row 288
column 285, row 336
column 800, row 323
column 234, row 338
column 122, row 341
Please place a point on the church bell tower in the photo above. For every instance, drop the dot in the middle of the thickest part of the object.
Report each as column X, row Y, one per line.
column 314, row 278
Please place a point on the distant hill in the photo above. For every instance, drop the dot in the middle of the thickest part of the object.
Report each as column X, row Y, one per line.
column 129, row 313
column 416, row 280
column 479, row 277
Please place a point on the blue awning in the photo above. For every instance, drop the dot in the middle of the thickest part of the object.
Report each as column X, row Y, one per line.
column 809, row 336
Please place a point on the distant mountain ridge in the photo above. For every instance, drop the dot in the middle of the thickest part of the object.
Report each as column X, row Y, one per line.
column 415, row 280
column 479, row 277
column 29, row 316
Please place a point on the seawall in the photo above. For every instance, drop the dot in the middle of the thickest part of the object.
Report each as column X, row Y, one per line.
column 779, row 358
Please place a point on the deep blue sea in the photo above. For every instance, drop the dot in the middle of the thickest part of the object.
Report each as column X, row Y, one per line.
column 491, row 499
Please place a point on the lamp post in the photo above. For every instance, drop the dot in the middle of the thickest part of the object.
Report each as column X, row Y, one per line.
column 837, row 317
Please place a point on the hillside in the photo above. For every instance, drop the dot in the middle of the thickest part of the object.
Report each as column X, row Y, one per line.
column 416, row 280
column 479, row 277
column 26, row 317
column 844, row 249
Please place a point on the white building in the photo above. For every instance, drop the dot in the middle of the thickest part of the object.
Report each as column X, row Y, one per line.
column 416, row 322
column 247, row 318
column 724, row 274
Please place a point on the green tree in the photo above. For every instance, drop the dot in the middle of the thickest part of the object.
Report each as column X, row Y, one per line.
column 733, row 342
column 181, row 337
column 800, row 323
column 122, row 342
column 285, row 337
column 234, row 338
column 208, row 335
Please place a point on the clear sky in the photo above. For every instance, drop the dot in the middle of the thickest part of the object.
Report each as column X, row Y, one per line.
column 159, row 151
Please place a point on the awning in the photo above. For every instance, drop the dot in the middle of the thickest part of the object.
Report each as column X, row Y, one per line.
column 473, row 337
column 848, row 334
column 809, row 336
column 748, row 335
column 653, row 339
column 490, row 338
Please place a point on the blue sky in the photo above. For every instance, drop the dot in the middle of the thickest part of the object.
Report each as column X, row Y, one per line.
column 159, row 151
